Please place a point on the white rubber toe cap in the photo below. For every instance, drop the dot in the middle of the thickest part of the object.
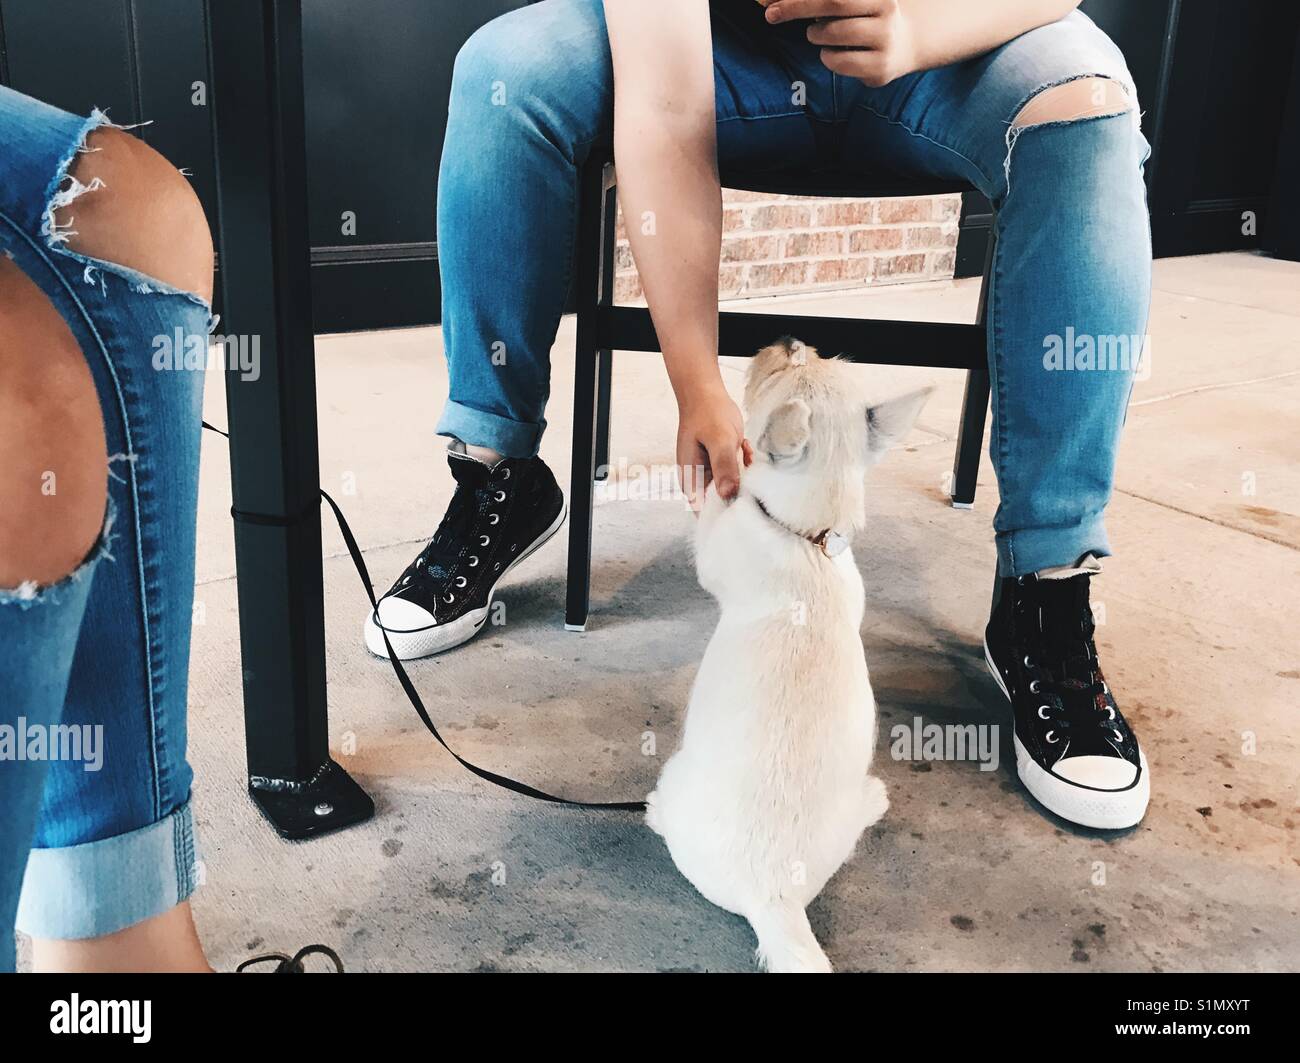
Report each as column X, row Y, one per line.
column 1099, row 773
column 412, row 632
column 398, row 615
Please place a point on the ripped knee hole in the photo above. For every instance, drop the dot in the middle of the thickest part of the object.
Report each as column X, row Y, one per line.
column 1088, row 97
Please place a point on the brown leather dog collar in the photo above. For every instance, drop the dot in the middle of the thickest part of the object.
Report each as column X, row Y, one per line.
column 830, row 542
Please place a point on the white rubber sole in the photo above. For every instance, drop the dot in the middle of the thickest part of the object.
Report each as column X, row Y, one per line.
column 437, row 638
column 1099, row 809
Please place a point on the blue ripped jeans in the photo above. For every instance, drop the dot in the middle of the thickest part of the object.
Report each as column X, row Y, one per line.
column 533, row 92
column 95, row 826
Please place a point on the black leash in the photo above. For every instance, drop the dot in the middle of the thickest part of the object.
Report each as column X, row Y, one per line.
column 413, row 695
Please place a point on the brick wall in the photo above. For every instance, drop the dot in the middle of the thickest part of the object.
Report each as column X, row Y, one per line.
column 776, row 245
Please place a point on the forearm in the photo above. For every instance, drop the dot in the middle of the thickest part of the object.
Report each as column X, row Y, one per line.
column 668, row 185
column 948, row 31
column 665, row 148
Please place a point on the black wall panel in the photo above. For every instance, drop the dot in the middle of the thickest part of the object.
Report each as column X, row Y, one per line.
column 378, row 77
column 138, row 60
column 1219, row 134
column 93, row 67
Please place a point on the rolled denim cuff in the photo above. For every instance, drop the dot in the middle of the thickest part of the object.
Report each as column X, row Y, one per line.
column 1030, row 550
column 478, row 428
column 101, row 887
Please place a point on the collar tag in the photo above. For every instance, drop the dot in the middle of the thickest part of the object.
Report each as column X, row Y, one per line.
column 834, row 544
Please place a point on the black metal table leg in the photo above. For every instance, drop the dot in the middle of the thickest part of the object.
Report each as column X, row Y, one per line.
column 255, row 56
column 974, row 406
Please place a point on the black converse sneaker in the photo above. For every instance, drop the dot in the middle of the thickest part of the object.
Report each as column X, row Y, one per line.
column 1074, row 751
column 498, row 516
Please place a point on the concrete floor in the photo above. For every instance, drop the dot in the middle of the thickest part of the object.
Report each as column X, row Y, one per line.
column 964, row 873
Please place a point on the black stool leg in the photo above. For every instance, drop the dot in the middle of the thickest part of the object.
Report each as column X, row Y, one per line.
column 604, row 383
column 974, row 407
column 586, row 366
column 970, row 438
column 605, row 359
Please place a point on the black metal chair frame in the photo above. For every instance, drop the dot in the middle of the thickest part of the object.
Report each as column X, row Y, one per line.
column 603, row 328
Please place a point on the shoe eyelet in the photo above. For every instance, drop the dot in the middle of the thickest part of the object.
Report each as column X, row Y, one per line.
column 500, row 496
column 1111, row 711
column 1118, row 737
column 483, row 540
column 1027, row 662
column 448, row 598
column 473, row 560
column 494, row 518
column 505, row 474
column 496, row 566
column 461, row 581
column 1042, row 709
column 1050, row 739
column 406, row 580
column 419, row 561
column 1033, row 686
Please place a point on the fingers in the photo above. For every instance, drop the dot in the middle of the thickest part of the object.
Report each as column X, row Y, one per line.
column 693, row 472
column 724, row 462
column 788, row 10
column 747, row 453
column 849, row 33
column 871, row 68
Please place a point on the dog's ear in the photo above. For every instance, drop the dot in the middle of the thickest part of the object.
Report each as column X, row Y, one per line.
column 786, row 435
column 796, row 352
column 889, row 422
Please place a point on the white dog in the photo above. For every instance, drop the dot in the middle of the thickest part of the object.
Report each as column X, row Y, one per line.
column 769, row 791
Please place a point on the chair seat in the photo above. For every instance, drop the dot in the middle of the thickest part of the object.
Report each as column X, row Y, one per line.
column 839, row 183
column 825, row 182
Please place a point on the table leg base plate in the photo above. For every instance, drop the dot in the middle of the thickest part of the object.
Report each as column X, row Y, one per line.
column 331, row 801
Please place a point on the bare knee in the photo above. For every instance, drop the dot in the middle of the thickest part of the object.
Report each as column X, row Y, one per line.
column 53, row 472
column 1089, row 97
column 140, row 213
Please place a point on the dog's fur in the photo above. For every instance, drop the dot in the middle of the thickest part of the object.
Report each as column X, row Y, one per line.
column 769, row 791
